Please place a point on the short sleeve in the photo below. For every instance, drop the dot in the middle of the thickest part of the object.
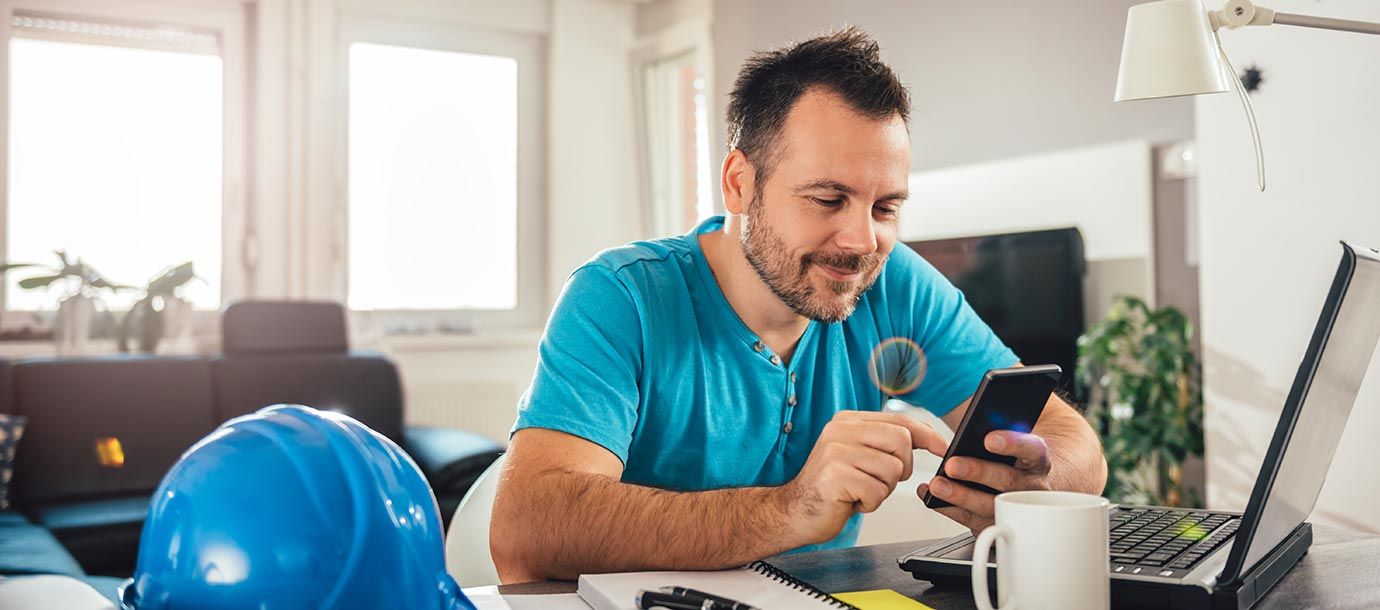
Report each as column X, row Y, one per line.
column 588, row 364
column 957, row 346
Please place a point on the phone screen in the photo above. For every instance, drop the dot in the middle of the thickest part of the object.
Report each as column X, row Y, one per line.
column 1007, row 399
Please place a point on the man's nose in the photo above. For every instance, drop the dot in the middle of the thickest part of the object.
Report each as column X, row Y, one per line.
column 858, row 235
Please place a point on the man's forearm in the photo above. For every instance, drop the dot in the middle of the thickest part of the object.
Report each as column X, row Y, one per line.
column 1075, row 452
column 563, row 524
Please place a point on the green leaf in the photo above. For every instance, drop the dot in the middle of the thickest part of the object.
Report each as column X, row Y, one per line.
column 41, row 281
column 171, row 280
column 11, row 266
column 94, row 279
column 100, row 282
column 1143, row 357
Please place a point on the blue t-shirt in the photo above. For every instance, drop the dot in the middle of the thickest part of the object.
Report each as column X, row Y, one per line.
column 644, row 356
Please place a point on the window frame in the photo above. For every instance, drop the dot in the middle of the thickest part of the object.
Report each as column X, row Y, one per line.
column 529, row 51
column 229, row 22
column 693, row 37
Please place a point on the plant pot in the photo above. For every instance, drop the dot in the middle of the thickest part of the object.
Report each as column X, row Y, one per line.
column 143, row 325
column 72, row 329
column 177, row 318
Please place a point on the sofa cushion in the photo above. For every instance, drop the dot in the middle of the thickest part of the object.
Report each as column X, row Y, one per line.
column 9, row 517
column 363, row 385
column 451, row 459
column 106, row 426
column 93, row 513
column 26, row 548
column 11, row 428
column 267, row 327
column 103, row 535
column 6, row 386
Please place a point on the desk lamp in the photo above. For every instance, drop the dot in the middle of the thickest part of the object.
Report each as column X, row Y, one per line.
column 1172, row 49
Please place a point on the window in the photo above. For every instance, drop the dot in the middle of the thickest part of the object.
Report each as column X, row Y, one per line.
column 443, row 171
column 674, row 99
column 115, row 153
column 123, row 144
column 432, row 179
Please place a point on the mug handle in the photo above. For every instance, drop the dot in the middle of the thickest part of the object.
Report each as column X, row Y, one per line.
column 981, row 549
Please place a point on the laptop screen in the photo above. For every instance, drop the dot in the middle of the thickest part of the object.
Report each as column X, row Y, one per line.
column 1315, row 413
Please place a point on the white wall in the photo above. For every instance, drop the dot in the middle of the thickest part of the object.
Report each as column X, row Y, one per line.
column 988, row 80
column 661, row 15
column 468, row 383
column 1268, row 258
column 1103, row 190
column 593, row 190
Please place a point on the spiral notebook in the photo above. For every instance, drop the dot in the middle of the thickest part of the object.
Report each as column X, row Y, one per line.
column 759, row 584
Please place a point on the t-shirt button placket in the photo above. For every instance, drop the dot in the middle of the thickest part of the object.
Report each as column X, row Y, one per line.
column 776, row 360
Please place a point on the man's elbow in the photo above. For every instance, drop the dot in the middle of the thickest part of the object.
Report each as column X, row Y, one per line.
column 511, row 550
column 1097, row 479
column 1090, row 459
column 1100, row 480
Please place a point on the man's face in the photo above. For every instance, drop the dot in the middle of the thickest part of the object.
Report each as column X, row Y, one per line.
column 819, row 230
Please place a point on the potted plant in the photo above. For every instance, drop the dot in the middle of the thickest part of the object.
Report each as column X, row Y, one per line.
column 75, row 311
column 160, row 308
column 1145, row 398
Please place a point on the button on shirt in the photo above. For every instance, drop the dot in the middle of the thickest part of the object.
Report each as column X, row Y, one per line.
column 644, row 356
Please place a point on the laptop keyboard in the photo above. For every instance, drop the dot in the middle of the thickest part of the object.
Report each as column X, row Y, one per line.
column 1165, row 541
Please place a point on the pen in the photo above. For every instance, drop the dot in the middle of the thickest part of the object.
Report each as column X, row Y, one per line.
column 657, row 599
column 719, row 603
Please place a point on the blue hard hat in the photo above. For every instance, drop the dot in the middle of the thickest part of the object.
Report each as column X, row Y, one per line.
column 291, row 507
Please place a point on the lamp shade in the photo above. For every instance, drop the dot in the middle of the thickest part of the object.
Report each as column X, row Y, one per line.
column 1169, row 50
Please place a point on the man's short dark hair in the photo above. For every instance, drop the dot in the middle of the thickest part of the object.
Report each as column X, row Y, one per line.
column 847, row 63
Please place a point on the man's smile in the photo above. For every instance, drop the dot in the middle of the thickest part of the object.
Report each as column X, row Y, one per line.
column 838, row 274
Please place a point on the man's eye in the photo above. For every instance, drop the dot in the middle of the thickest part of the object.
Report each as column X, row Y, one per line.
column 886, row 211
column 828, row 203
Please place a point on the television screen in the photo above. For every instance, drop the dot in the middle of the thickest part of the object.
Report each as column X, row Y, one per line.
column 1027, row 286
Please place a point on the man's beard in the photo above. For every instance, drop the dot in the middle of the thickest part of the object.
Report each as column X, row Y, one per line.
column 789, row 277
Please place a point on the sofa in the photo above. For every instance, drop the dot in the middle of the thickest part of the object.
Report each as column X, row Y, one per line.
column 102, row 431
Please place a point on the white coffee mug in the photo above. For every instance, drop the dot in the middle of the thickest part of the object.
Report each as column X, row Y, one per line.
column 1051, row 552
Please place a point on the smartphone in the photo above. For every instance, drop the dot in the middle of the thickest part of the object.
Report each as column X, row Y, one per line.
column 1007, row 399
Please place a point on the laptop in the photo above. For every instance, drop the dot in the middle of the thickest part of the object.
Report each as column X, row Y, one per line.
column 1187, row 558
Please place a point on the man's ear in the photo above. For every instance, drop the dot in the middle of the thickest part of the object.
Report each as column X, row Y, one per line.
column 737, row 182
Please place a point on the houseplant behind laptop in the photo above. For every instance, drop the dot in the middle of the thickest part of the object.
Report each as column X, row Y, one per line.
column 1143, row 382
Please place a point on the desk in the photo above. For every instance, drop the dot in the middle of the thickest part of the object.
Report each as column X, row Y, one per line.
column 1341, row 570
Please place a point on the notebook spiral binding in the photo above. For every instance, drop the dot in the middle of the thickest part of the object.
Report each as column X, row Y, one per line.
column 779, row 575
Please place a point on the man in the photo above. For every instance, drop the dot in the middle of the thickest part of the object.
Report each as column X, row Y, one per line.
column 705, row 400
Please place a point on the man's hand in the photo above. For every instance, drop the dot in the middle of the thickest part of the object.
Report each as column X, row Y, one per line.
column 856, row 463
column 976, row 509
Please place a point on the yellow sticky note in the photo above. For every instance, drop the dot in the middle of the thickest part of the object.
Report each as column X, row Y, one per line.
column 881, row 599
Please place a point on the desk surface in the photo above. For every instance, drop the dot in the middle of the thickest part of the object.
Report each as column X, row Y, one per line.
column 1341, row 570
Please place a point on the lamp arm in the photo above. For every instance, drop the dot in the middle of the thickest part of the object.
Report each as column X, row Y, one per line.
column 1241, row 13
column 1250, row 115
column 1327, row 23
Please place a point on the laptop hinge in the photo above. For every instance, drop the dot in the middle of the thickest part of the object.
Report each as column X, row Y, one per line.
column 1274, row 564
